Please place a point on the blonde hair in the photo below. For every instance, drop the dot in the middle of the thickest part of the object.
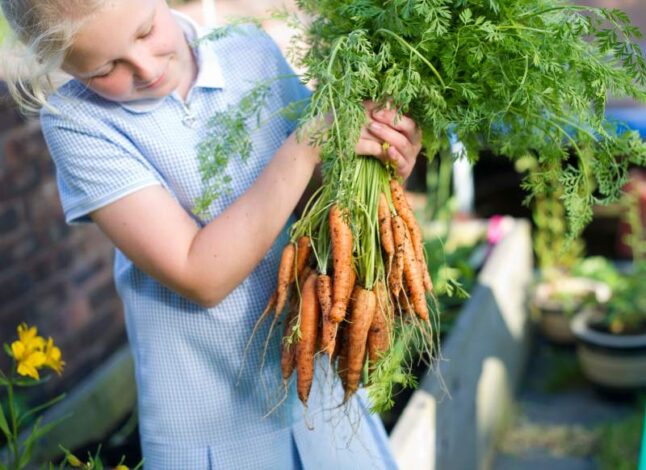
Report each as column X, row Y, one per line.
column 43, row 33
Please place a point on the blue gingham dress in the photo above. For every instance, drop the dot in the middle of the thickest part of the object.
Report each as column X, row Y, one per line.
column 198, row 407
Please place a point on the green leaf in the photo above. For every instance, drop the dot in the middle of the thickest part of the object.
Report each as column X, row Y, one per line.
column 140, row 465
column 36, row 433
column 29, row 382
column 4, row 425
column 466, row 16
column 41, row 407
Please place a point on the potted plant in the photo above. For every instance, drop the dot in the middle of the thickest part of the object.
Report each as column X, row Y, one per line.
column 560, row 289
column 611, row 338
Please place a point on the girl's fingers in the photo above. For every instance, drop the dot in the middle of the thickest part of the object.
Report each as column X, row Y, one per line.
column 366, row 134
column 403, row 124
column 371, row 147
column 403, row 166
column 393, row 137
column 370, row 106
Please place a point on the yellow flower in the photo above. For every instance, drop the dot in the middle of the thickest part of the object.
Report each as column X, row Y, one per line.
column 53, row 357
column 28, row 351
column 29, row 337
column 28, row 361
column 121, row 467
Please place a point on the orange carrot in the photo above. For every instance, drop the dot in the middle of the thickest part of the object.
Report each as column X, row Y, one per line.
column 306, row 347
column 328, row 327
column 303, row 250
column 303, row 277
column 379, row 332
column 412, row 274
column 324, row 293
column 363, row 311
column 344, row 275
column 396, row 273
column 406, row 213
column 385, row 227
column 285, row 276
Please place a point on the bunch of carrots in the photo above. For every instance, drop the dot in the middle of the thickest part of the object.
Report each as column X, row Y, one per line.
column 335, row 304
column 515, row 78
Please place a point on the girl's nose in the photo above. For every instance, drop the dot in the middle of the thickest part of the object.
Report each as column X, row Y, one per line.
column 144, row 75
column 144, row 69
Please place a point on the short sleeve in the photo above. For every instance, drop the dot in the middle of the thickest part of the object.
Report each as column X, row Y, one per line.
column 95, row 164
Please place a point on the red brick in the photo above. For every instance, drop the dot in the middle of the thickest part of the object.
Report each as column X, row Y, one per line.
column 14, row 285
column 9, row 115
column 10, row 218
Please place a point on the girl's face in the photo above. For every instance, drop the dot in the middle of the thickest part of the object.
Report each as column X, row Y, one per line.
column 131, row 50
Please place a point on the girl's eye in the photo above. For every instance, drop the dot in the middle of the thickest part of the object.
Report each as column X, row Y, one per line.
column 148, row 33
column 105, row 74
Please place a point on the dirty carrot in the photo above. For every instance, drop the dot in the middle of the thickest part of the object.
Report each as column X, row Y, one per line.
column 344, row 275
column 363, row 311
column 412, row 274
column 379, row 332
column 385, row 227
column 303, row 250
column 306, row 347
column 285, row 276
column 406, row 213
column 396, row 273
column 328, row 327
column 288, row 350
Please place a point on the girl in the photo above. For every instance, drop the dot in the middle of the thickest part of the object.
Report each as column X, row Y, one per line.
column 123, row 134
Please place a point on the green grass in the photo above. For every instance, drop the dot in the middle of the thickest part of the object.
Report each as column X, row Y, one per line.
column 619, row 443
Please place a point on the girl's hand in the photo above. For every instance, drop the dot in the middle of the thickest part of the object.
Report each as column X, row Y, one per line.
column 402, row 138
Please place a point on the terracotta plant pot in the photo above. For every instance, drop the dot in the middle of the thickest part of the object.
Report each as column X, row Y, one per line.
column 612, row 361
column 554, row 304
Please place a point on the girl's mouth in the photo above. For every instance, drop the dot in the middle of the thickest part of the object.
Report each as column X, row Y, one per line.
column 155, row 84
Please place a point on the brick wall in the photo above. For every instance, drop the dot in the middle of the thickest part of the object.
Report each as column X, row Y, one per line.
column 54, row 276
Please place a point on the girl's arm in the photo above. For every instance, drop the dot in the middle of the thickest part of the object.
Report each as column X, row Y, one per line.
column 206, row 264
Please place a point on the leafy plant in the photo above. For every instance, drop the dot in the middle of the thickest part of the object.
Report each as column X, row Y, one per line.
column 627, row 307
column 30, row 354
column 557, row 252
column 625, row 312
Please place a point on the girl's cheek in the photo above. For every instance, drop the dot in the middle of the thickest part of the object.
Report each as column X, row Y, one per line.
column 114, row 86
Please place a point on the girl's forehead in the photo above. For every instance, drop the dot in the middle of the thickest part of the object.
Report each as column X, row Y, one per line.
column 110, row 31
